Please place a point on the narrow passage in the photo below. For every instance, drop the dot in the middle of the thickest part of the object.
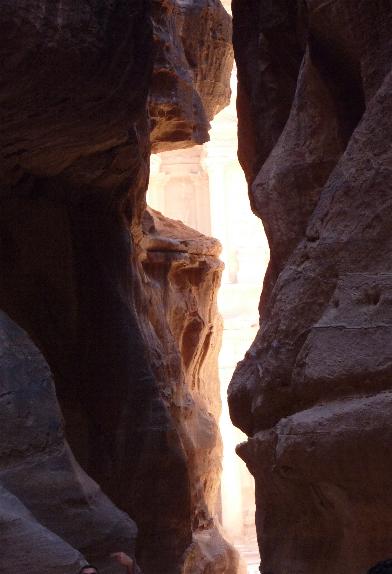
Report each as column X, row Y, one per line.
column 205, row 188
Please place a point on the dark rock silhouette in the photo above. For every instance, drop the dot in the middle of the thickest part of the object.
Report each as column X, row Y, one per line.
column 313, row 393
column 50, row 510
column 75, row 146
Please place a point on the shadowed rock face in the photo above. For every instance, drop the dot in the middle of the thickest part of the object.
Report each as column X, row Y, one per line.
column 313, row 391
column 75, row 145
column 64, row 514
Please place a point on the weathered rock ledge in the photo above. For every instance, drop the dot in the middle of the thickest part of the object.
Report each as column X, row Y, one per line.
column 183, row 329
column 192, row 67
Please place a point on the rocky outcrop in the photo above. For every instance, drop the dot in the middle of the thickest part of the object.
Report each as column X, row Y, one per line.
column 192, row 67
column 75, row 145
column 313, row 391
column 181, row 276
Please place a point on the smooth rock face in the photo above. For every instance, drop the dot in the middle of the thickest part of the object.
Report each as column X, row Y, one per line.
column 52, row 514
column 28, row 546
column 313, row 391
column 74, row 159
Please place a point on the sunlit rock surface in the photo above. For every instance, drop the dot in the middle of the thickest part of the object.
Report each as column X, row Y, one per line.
column 313, row 391
column 193, row 62
column 75, row 145
column 182, row 274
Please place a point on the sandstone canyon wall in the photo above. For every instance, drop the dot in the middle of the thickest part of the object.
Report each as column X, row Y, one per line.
column 122, row 312
column 314, row 391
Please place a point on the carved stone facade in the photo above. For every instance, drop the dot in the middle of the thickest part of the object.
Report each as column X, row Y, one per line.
column 179, row 187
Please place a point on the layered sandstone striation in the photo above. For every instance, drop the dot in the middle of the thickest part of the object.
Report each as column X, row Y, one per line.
column 139, row 416
column 313, row 393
